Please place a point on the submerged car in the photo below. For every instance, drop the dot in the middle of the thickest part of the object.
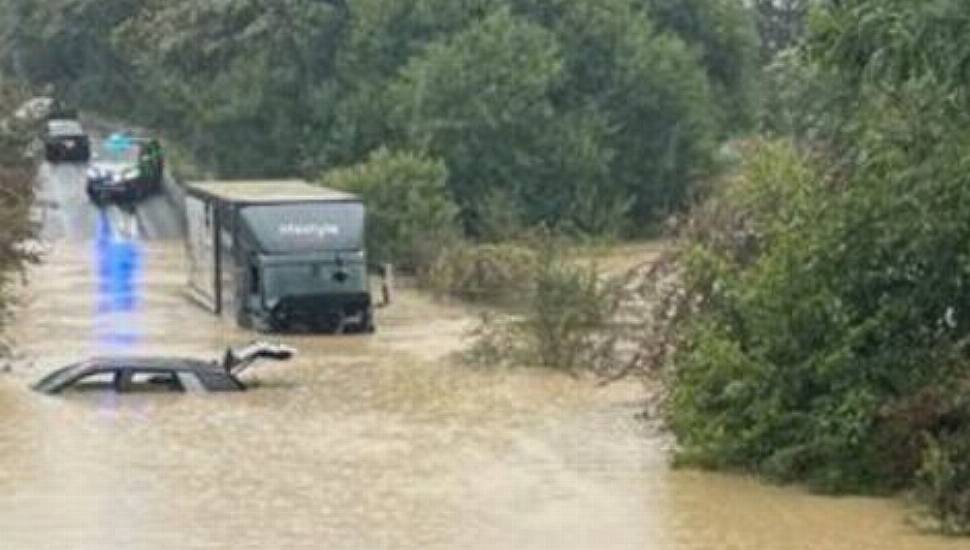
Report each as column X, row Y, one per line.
column 65, row 141
column 160, row 374
column 127, row 169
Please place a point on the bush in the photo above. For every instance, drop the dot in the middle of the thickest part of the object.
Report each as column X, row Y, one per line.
column 826, row 333
column 565, row 318
column 411, row 217
column 16, row 195
column 493, row 273
column 943, row 481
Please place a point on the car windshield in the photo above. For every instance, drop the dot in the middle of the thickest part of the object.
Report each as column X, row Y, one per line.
column 58, row 377
column 126, row 155
column 65, row 128
column 292, row 280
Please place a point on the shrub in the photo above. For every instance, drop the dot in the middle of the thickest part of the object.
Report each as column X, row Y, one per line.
column 411, row 217
column 943, row 480
column 565, row 319
column 493, row 273
column 826, row 330
column 16, row 195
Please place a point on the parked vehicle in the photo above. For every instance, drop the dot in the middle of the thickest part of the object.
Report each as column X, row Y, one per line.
column 65, row 141
column 160, row 374
column 126, row 169
column 280, row 255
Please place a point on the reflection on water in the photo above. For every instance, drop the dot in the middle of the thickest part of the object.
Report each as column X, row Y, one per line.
column 361, row 443
column 118, row 266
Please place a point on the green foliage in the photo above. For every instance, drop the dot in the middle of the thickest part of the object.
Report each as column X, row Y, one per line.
column 655, row 144
column 64, row 44
column 480, row 102
column 943, row 480
column 16, row 195
column 383, row 35
column 564, row 317
column 828, row 287
column 781, row 24
column 492, row 273
column 801, row 98
column 565, row 117
column 828, row 283
column 890, row 42
column 825, row 304
column 582, row 115
column 726, row 34
column 410, row 214
column 238, row 80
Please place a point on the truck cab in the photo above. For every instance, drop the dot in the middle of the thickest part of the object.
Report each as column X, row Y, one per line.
column 280, row 255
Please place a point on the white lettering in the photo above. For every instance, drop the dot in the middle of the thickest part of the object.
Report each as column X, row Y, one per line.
column 309, row 230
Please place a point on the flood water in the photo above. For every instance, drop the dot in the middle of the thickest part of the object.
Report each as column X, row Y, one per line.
column 362, row 442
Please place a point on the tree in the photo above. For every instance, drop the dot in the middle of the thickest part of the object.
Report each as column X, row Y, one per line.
column 16, row 196
column 581, row 115
column 827, row 340
column 240, row 77
column 383, row 35
column 480, row 101
column 781, row 24
column 599, row 105
column 63, row 43
column 726, row 35
column 411, row 216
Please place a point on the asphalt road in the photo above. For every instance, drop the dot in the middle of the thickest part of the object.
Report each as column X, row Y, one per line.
column 66, row 213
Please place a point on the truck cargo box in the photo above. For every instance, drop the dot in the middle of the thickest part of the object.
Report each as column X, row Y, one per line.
column 279, row 254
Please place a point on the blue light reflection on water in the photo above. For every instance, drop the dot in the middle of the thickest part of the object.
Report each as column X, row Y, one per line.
column 119, row 263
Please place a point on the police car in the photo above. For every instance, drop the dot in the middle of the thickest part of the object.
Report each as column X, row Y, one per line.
column 126, row 169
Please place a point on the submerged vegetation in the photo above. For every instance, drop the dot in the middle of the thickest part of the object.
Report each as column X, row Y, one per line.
column 561, row 312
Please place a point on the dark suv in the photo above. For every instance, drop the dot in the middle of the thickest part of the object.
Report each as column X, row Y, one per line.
column 65, row 141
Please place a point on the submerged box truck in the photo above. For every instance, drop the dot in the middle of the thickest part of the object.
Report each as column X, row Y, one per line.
column 279, row 255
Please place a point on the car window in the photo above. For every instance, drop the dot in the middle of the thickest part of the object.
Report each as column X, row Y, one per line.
column 57, row 378
column 153, row 382
column 190, row 382
column 102, row 380
column 126, row 155
column 64, row 128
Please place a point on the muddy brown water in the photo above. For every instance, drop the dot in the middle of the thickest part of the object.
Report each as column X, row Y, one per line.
column 361, row 442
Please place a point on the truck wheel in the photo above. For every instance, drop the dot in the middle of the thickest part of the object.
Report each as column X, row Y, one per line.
column 366, row 325
column 244, row 320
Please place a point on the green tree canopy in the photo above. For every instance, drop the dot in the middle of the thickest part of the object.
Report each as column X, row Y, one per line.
column 591, row 116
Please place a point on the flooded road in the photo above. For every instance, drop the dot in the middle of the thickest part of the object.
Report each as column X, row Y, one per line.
column 369, row 442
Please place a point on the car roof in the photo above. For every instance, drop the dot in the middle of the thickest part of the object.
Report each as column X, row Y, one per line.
column 213, row 377
column 64, row 127
column 139, row 362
